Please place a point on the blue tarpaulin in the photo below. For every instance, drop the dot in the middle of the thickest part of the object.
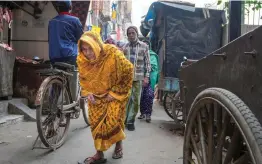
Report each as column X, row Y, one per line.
column 151, row 14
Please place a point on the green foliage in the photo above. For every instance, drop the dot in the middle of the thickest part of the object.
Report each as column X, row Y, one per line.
column 247, row 4
column 257, row 4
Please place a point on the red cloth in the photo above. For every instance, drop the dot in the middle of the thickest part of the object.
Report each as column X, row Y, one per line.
column 80, row 9
column 66, row 13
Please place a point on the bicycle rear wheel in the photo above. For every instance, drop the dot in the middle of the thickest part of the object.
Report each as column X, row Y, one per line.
column 52, row 123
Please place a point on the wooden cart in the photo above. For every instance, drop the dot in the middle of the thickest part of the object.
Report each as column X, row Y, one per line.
column 221, row 103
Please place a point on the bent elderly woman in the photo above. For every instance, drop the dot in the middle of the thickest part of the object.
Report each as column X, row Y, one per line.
column 106, row 78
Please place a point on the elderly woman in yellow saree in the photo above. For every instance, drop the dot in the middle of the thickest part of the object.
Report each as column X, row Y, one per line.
column 106, row 78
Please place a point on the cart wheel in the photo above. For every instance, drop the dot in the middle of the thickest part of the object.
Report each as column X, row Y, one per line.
column 177, row 112
column 221, row 129
column 169, row 96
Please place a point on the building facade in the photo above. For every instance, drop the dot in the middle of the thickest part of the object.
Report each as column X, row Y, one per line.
column 100, row 16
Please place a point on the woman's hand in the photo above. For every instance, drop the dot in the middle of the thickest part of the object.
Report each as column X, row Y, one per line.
column 109, row 98
column 146, row 81
column 91, row 98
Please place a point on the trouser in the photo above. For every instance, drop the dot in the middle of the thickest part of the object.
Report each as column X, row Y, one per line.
column 147, row 99
column 133, row 105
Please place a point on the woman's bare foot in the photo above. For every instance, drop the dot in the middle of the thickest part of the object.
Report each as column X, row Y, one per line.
column 118, row 153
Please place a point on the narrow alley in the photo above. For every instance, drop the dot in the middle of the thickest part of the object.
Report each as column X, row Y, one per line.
column 153, row 143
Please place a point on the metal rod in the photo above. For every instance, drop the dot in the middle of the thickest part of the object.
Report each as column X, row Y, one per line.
column 221, row 138
column 254, row 13
column 259, row 15
column 234, row 146
column 35, row 16
column 253, row 53
column 35, row 142
column 210, row 109
column 30, row 4
column 196, row 150
column 202, row 139
column 223, row 55
column 218, row 109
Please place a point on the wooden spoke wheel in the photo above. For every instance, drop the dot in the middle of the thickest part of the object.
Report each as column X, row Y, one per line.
column 221, row 129
column 168, row 98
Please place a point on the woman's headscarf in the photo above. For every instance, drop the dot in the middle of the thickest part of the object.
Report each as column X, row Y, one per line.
column 102, row 75
column 96, row 43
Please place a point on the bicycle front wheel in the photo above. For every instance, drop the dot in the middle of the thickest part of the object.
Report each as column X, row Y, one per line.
column 52, row 123
column 83, row 105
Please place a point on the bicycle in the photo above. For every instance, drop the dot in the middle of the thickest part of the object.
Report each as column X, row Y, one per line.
column 56, row 105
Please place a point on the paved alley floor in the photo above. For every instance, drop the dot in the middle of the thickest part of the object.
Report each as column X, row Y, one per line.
column 151, row 143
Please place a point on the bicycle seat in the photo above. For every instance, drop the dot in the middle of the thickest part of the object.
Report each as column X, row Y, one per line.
column 64, row 65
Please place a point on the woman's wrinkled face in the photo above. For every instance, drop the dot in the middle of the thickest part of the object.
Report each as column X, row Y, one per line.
column 88, row 51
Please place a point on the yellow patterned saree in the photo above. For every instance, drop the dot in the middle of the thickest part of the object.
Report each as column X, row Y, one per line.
column 110, row 73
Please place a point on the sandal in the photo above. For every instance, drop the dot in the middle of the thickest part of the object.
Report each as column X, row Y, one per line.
column 141, row 117
column 148, row 118
column 93, row 160
column 118, row 153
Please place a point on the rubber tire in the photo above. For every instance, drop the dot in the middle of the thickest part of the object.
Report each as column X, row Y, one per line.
column 39, row 114
column 243, row 116
column 83, row 106
column 165, row 105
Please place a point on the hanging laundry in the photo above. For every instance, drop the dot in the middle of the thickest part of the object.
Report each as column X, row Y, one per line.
column 114, row 13
column 96, row 29
column 11, row 18
column 1, row 19
column 6, row 47
column 6, row 15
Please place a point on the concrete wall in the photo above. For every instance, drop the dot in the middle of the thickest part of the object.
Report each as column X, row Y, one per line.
column 244, row 29
column 30, row 36
column 225, row 35
column 247, row 28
